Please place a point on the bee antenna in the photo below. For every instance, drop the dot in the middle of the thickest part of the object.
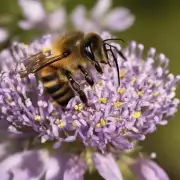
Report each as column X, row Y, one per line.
column 114, row 39
column 115, row 60
column 118, row 51
column 117, row 67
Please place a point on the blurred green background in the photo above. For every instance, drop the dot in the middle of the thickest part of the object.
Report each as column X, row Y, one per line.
column 157, row 25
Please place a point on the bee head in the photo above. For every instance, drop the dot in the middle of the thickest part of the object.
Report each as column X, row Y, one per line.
column 92, row 47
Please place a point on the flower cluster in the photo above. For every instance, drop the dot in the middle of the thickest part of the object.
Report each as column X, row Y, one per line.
column 39, row 140
column 117, row 114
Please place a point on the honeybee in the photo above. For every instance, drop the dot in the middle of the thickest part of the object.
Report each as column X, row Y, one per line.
column 71, row 53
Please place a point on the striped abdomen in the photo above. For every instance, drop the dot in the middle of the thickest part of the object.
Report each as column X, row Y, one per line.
column 59, row 90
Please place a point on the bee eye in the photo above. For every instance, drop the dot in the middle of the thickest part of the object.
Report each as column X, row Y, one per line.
column 88, row 52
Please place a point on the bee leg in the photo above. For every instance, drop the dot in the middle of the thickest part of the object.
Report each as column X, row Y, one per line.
column 88, row 77
column 76, row 87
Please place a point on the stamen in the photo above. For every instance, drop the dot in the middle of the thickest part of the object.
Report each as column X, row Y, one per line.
column 30, row 86
column 140, row 93
column 118, row 118
column 101, row 123
column 155, row 93
column 37, row 118
column 100, row 83
column 118, row 104
column 57, row 121
column 74, row 124
column 122, row 73
column 98, row 125
column 136, row 114
column 26, row 45
column 103, row 100
column 78, row 107
column 123, row 130
column 121, row 90
column 60, row 123
column 133, row 80
column 9, row 101
column 12, row 89
column 173, row 89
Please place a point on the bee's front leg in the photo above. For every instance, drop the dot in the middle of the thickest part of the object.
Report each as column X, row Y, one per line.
column 88, row 77
column 76, row 87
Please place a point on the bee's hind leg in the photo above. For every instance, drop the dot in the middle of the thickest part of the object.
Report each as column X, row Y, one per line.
column 88, row 77
column 76, row 87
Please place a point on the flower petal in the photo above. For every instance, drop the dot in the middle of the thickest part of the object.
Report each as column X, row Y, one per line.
column 145, row 169
column 55, row 168
column 25, row 165
column 65, row 167
column 32, row 10
column 119, row 19
column 75, row 169
column 100, row 8
column 57, row 19
column 78, row 16
column 3, row 35
column 26, row 25
column 107, row 166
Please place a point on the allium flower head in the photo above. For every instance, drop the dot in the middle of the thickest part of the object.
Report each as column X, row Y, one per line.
column 117, row 114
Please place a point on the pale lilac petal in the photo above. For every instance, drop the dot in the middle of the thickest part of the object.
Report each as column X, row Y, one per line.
column 3, row 35
column 61, row 166
column 78, row 17
column 32, row 10
column 3, row 147
column 80, row 20
column 119, row 19
column 146, row 169
column 8, row 144
column 106, row 166
column 75, row 169
column 26, row 165
column 6, row 148
column 26, row 25
column 100, row 8
column 57, row 19
column 56, row 167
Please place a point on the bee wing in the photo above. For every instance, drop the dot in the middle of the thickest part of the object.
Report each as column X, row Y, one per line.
column 39, row 61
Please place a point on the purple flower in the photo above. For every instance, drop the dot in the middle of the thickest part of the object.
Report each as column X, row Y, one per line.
column 35, row 16
column 116, row 117
column 36, row 164
column 40, row 164
column 117, row 114
column 101, row 17
column 146, row 169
